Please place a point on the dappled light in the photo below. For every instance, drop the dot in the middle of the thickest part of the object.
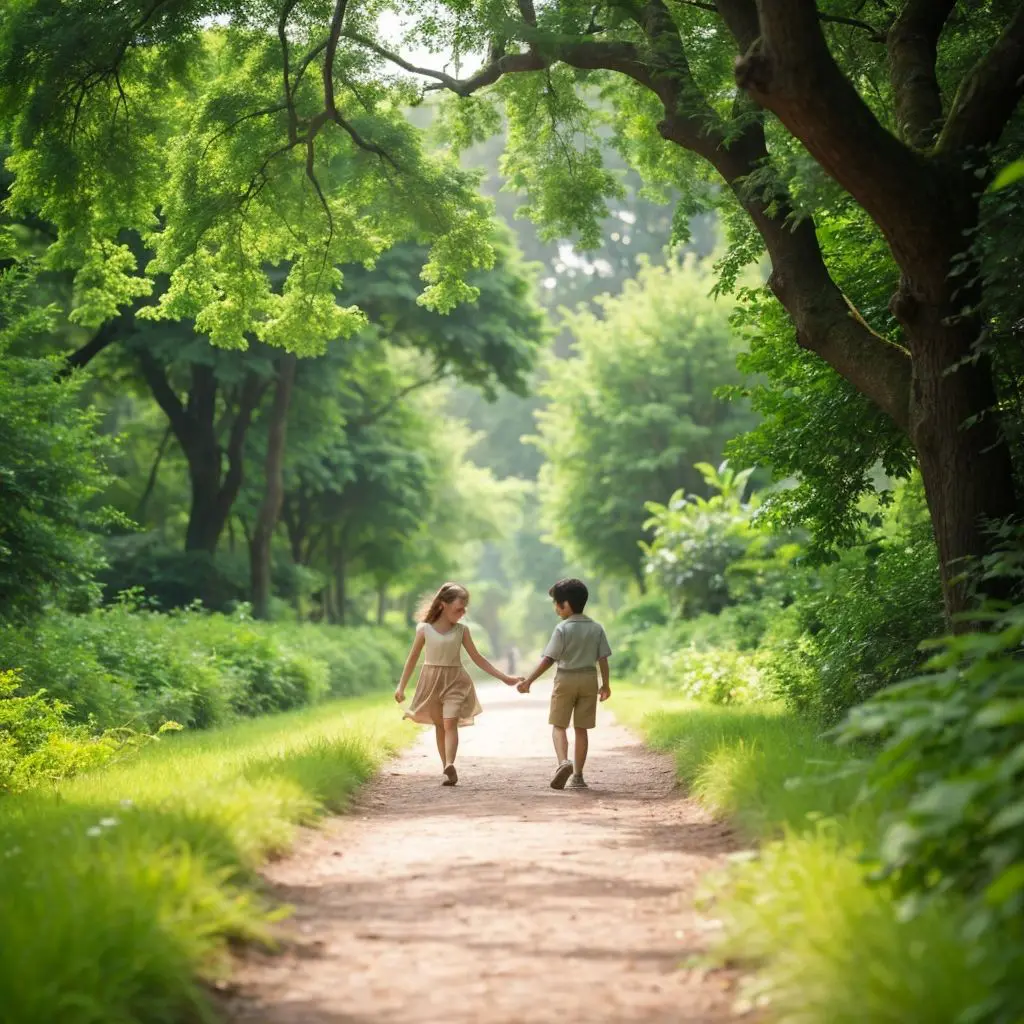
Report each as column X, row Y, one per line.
column 511, row 511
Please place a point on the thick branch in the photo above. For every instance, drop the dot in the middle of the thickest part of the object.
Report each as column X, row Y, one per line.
column 333, row 36
column 913, row 42
column 790, row 71
column 252, row 392
column 526, row 9
column 156, row 377
column 874, row 34
column 112, row 331
column 825, row 321
column 487, row 75
column 989, row 95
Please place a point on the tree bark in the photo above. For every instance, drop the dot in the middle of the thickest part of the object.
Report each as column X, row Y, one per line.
column 194, row 424
column 382, row 602
column 273, row 493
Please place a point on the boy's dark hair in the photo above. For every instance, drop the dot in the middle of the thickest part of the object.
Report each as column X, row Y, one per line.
column 572, row 592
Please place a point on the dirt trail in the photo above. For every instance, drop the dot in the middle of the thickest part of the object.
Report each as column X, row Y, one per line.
column 499, row 901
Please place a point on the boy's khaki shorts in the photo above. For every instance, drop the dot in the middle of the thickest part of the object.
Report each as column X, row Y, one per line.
column 574, row 696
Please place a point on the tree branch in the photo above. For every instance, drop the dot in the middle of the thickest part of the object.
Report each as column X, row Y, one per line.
column 913, row 42
column 289, row 95
column 876, row 35
column 487, row 75
column 156, row 377
column 378, row 413
column 790, row 71
column 825, row 321
column 108, row 334
column 331, row 50
column 989, row 95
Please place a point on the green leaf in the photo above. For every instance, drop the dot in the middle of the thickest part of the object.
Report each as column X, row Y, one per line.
column 1009, row 175
column 1006, row 886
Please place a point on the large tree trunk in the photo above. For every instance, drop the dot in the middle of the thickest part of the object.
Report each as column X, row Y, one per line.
column 207, row 514
column 273, row 493
column 194, row 423
column 964, row 459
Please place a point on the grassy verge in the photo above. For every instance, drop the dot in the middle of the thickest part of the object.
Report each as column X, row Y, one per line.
column 121, row 887
column 831, row 947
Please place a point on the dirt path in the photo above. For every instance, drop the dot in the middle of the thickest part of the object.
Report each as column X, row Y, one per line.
column 500, row 901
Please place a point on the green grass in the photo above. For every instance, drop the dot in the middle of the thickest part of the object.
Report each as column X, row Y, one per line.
column 830, row 946
column 121, row 888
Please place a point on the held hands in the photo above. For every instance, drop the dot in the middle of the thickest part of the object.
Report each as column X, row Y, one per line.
column 523, row 686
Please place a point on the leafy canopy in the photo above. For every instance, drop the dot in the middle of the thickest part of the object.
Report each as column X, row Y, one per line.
column 233, row 138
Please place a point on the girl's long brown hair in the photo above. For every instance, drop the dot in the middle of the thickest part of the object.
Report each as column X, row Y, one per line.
column 430, row 609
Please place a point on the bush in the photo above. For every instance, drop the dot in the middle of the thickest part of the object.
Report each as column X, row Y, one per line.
column 126, row 665
column 719, row 676
column 707, row 554
column 952, row 751
column 37, row 744
column 862, row 622
column 169, row 578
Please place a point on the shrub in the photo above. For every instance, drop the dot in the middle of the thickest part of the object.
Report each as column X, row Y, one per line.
column 128, row 665
column 862, row 622
column 710, row 553
column 952, row 748
column 37, row 744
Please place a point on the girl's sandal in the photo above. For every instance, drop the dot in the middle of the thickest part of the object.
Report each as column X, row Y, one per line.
column 451, row 776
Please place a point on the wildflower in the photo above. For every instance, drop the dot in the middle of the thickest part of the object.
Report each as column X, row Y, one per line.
column 94, row 831
column 108, row 822
column 127, row 805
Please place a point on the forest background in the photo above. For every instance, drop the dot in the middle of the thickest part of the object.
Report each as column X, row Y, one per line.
column 272, row 335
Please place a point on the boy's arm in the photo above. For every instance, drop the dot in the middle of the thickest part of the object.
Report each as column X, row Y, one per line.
column 542, row 666
column 606, row 690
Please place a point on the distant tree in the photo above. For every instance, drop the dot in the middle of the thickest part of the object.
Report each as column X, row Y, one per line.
column 632, row 411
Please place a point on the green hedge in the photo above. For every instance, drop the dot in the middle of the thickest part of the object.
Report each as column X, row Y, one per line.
column 124, row 668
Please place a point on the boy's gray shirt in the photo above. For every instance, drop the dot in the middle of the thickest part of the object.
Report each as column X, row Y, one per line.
column 577, row 643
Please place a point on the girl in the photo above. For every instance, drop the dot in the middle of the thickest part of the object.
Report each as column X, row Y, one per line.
column 445, row 695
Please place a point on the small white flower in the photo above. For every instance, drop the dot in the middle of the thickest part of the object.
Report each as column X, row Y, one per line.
column 94, row 831
column 127, row 805
column 108, row 822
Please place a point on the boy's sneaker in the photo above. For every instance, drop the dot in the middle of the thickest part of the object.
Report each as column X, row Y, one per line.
column 561, row 776
column 576, row 782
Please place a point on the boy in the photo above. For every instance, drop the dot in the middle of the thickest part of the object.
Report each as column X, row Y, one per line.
column 580, row 648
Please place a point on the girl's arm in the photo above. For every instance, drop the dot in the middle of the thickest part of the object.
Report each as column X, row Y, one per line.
column 410, row 664
column 481, row 662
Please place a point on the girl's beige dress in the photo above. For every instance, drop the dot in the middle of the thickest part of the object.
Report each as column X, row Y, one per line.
column 444, row 689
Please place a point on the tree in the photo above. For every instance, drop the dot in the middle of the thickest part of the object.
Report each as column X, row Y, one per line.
column 633, row 410
column 912, row 151
column 51, row 467
column 229, row 156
